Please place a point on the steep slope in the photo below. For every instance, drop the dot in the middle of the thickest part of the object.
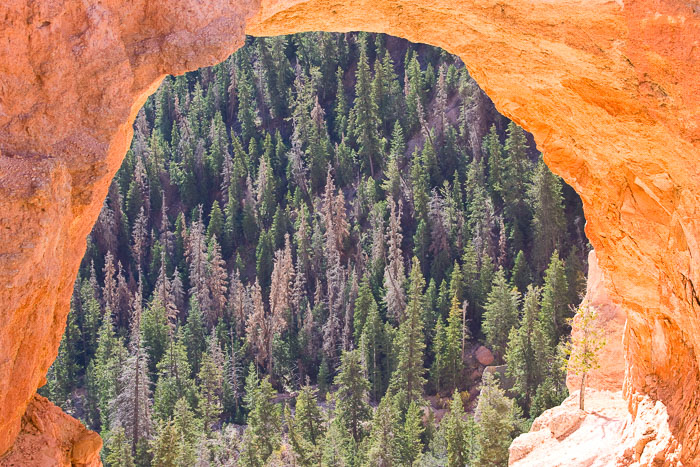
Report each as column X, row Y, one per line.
column 609, row 90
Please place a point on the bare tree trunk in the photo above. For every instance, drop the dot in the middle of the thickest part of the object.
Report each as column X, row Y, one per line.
column 465, row 304
column 582, row 393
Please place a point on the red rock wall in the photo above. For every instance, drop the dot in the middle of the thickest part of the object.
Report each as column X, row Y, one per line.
column 609, row 89
column 50, row 438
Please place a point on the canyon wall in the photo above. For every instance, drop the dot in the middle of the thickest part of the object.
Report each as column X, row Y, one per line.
column 610, row 90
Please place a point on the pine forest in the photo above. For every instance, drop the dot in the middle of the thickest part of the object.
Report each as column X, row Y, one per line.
column 328, row 250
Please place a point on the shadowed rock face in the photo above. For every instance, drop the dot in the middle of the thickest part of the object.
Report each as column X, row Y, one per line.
column 610, row 91
column 50, row 438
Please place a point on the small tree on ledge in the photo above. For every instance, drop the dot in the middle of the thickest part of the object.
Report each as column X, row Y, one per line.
column 583, row 349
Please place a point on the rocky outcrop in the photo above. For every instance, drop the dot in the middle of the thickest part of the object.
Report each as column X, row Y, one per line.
column 50, row 438
column 483, row 356
column 609, row 89
column 606, row 434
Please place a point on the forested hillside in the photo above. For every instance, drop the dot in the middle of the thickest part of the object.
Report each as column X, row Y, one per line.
column 300, row 255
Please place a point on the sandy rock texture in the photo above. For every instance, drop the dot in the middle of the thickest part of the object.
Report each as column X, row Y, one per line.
column 606, row 434
column 610, row 90
column 50, row 438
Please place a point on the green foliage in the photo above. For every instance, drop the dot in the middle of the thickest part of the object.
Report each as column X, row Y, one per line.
column 384, row 443
column 585, row 345
column 555, row 301
column 262, row 437
column 498, row 418
column 352, row 394
column 408, row 376
column 501, row 313
column 460, row 434
column 210, row 389
column 238, row 156
column 306, row 429
column 528, row 353
column 118, row 449
column 548, row 219
column 454, row 333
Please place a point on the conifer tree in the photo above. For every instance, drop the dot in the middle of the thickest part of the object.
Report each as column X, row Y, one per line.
column 110, row 357
column 132, row 405
column 196, row 254
column 155, row 332
column 306, row 428
column 216, row 222
column 438, row 369
column 188, row 427
column 496, row 162
column 118, row 449
column 352, row 394
column 258, row 329
column 262, row 435
column 91, row 314
column 409, row 373
column 555, row 301
column 411, row 436
column 246, row 104
column 384, row 441
column 458, row 434
column 527, row 352
column 165, row 447
column 263, row 259
column 341, row 105
column 217, row 279
column 393, row 181
column 139, row 240
column 521, row 274
column 373, row 347
column 211, row 379
column 281, row 288
column 548, row 214
column 452, row 359
column 174, row 381
column 364, row 120
column 584, row 347
column 499, row 422
column 109, row 291
column 394, row 275
column 501, row 313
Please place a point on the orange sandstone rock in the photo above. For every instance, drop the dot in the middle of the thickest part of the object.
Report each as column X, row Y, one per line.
column 50, row 438
column 610, row 90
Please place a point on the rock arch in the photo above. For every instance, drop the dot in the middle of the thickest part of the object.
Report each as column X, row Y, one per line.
column 610, row 90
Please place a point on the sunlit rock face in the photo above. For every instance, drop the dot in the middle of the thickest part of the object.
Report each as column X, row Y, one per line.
column 609, row 89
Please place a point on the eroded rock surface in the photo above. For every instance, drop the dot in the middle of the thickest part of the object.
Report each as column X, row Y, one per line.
column 50, row 438
column 606, row 434
column 609, row 89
